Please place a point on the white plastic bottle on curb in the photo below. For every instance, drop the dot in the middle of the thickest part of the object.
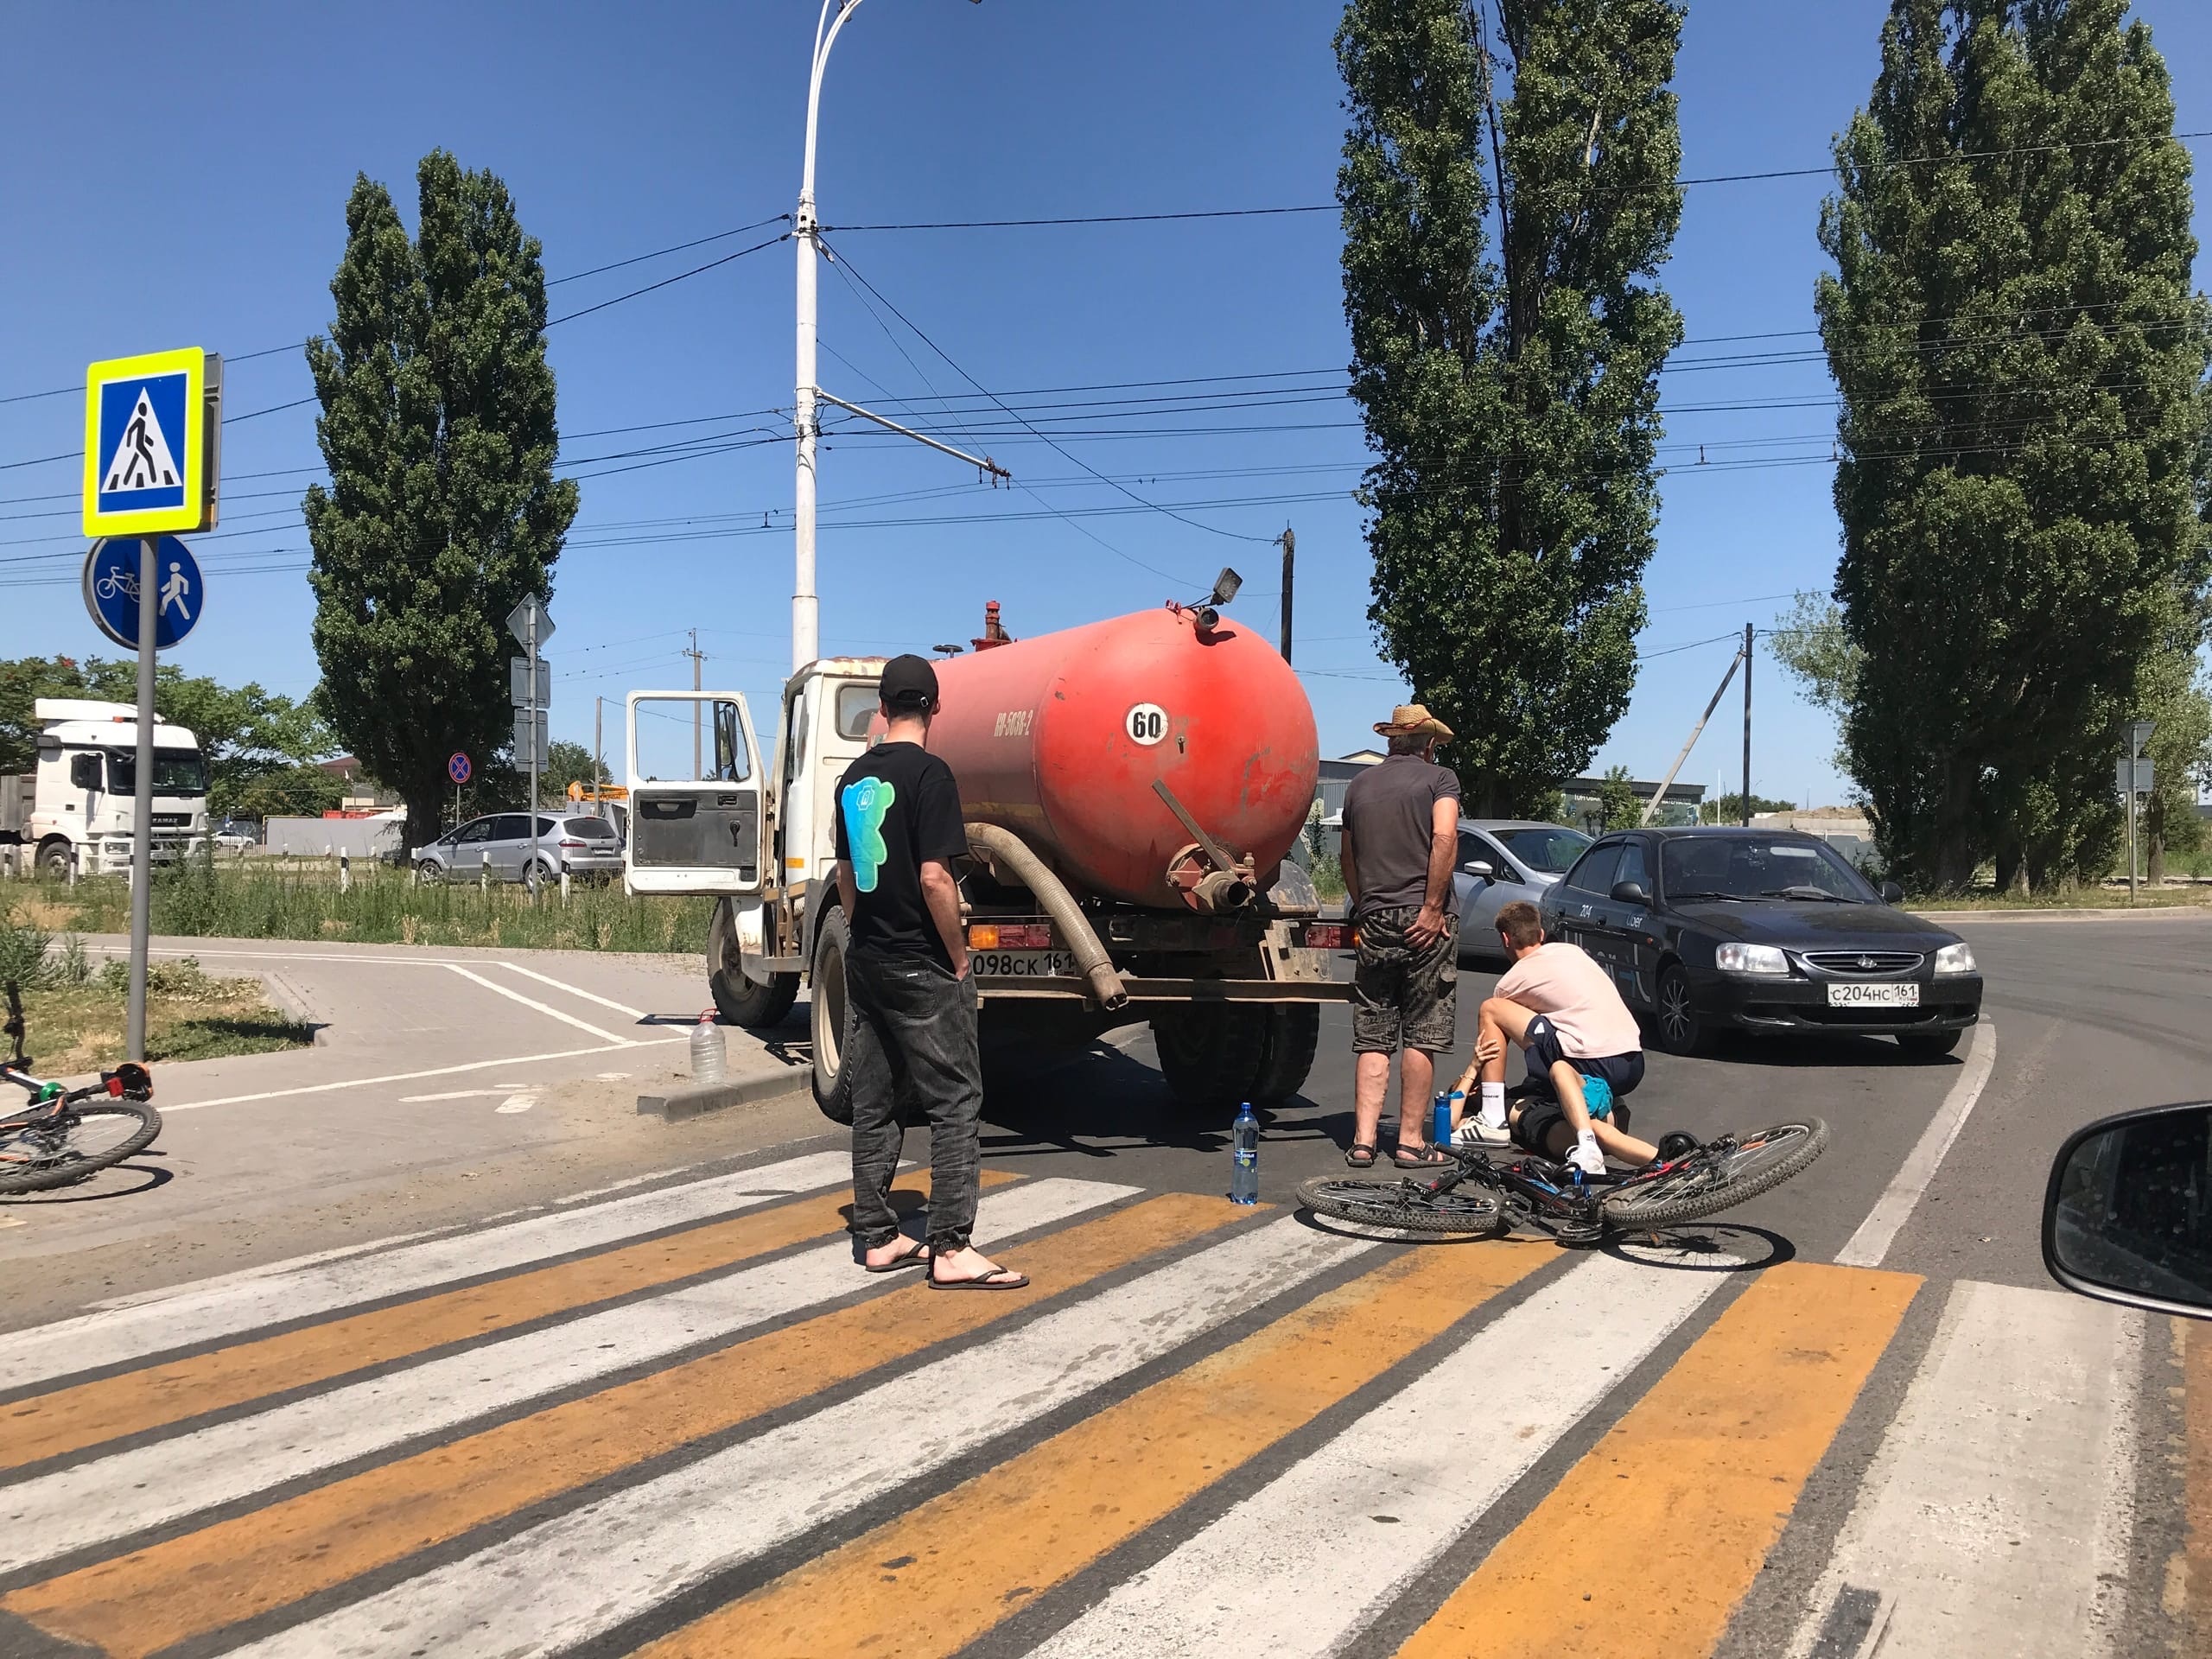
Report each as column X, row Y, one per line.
column 1244, row 1172
column 708, row 1058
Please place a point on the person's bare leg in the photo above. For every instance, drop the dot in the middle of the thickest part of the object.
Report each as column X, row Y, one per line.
column 1497, row 1023
column 1370, row 1080
column 1615, row 1142
column 1416, row 1072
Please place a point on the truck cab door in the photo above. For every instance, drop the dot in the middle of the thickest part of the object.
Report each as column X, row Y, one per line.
column 694, row 830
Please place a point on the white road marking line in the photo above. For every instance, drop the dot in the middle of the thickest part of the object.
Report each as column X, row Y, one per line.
column 1995, row 1515
column 454, row 1094
column 514, row 996
column 168, row 1107
column 1866, row 1247
column 147, row 1485
column 627, row 1183
column 516, row 1104
column 244, row 1275
column 560, row 985
column 1303, row 1563
column 199, row 1314
column 565, row 1581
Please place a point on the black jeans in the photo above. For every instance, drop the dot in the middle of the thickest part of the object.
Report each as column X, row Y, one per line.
column 910, row 1037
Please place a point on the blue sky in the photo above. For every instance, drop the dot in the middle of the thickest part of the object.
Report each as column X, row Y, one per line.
column 178, row 175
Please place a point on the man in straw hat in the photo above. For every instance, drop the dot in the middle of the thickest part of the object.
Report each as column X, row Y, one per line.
column 1401, row 834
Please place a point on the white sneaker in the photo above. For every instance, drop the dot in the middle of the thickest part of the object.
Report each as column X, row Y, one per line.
column 1587, row 1158
column 1473, row 1131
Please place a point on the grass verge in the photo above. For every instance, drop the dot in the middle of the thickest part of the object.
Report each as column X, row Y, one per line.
column 2104, row 898
column 190, row 1015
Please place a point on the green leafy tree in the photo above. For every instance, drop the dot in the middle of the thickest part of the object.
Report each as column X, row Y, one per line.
column 285, row 792
column 2173, row 693
column 1510, row 396
column 1618, row 807
column 567, row 763
column 1816, row 649
column 1729, row 809
column 438, row 427
column 2024, row 427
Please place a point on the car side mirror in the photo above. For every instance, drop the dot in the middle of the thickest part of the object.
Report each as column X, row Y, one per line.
column 1892, row 893
column 84, row 772
column 2127, row 1217
column 1480, row 866
column 1631, row 892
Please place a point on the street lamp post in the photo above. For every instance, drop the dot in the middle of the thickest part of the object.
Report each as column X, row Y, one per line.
column 806, row 609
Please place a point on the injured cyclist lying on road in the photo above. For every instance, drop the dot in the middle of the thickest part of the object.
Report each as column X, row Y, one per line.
column 1584, row 1054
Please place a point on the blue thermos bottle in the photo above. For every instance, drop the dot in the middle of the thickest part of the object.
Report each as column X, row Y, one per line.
column 1244, row 1172
column 1439, row 1121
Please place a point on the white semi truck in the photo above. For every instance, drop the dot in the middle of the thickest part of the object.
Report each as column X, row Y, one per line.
column 75, row 808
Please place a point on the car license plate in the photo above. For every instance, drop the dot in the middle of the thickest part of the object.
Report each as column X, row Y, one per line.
column 1858, row 996
column 1022, row 964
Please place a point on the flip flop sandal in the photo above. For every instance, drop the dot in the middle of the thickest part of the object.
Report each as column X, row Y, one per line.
column 1422, row 1158
column 1359, row 1157
column 1001, row 1278
column 916, row 1257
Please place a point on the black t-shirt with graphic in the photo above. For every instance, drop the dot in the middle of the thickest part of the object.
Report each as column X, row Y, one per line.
column 897, row 808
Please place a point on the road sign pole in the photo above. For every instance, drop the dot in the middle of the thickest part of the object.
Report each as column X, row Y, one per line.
column 142, row 811
column 532, row 644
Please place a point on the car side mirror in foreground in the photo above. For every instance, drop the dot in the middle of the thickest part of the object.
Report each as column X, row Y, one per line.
column 2127, row 1217
column 1892, row 893
column 1479, row 866
column 1631, row 892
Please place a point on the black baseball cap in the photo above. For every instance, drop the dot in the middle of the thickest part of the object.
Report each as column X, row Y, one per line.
column 909, row 685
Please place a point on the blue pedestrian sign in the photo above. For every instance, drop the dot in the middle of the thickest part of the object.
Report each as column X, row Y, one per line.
column 458, row 769
column 151, row 445
column 112, row 590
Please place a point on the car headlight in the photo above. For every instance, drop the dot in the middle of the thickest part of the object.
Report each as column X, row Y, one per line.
column 1751, row 959
column 1955, row 959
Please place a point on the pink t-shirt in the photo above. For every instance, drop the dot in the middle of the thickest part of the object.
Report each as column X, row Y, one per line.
column 1559, row 979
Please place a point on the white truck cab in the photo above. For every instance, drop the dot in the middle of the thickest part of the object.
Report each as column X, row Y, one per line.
column 74, row 809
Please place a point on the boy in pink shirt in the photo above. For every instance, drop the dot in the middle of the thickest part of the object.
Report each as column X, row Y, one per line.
column 1560, row 1007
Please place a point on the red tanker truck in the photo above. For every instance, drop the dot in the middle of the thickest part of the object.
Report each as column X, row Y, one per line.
column 1131, row 790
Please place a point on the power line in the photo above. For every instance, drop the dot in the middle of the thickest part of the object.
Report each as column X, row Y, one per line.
column 681, row 276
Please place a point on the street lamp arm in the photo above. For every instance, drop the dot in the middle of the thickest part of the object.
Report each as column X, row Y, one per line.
column 825, row 36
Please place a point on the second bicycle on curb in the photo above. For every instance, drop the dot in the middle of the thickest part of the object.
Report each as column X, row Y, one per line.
column 66, row 1135
column 1483, row 1196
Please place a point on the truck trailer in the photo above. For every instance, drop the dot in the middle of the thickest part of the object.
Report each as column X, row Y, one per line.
column 1131, row 789
column 74, row 809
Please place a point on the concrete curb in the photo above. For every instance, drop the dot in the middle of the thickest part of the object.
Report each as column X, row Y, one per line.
column 695, row 1100
column 289, row 1002
column 2071, row 913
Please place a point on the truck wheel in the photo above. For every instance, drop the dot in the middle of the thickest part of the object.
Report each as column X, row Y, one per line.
column 1209, row 1053
column 832, row 1089
column 740, row 1001
column 54, row 861
column 1294, row 1032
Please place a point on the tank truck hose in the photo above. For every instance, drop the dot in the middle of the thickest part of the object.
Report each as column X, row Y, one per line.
column 1003, row 847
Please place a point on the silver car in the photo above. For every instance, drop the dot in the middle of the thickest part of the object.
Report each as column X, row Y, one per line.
column 1501, row 860
column 498, row 844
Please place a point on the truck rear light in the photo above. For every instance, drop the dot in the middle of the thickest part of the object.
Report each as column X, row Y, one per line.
column 983, row 935
column 1324, row 936
column 1025, row 936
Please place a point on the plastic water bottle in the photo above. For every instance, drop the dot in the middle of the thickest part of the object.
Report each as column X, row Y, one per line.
column 1244, row 1171
column 708, row 1053
column 1439, row 1121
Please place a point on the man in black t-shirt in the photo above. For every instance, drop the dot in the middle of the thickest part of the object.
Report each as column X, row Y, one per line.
column 910, row 1029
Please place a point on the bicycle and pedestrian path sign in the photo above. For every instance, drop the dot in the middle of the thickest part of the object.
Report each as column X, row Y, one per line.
column 152, row 443
column 112, row 590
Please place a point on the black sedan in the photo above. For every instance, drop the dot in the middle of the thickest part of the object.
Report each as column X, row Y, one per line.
column 1761, row 930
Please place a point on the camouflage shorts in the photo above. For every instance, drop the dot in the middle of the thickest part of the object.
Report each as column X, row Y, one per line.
column 1400, row 994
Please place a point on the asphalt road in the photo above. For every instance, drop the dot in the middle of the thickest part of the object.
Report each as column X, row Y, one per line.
column 666, row 1411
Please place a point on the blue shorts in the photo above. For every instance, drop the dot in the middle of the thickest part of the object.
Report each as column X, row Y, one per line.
column 1620, row 1073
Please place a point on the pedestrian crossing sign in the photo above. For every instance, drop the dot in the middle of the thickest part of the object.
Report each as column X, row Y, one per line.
column 149, row 448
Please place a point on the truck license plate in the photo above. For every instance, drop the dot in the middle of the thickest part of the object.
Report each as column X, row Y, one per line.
column 1893, row 996
column 1022, row 964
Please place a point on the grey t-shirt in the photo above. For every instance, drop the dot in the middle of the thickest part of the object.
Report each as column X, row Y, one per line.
column 1388, row 814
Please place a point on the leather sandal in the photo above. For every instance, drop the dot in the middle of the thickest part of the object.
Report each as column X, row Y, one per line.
column 1359, row 1156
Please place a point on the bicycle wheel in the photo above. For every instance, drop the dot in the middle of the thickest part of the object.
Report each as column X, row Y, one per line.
column 1717, row 1178
column 1405, row 1206
column 90, row 1137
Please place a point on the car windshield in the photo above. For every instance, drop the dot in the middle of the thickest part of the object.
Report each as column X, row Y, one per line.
column 176, row 772
column 1547, row 850
column 1753, row 867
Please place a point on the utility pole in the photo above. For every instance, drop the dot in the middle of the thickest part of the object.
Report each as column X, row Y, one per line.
column 1747, row 725
column 1659, row 796
column 1289, row 542
column 697, row 658
column 598, row 750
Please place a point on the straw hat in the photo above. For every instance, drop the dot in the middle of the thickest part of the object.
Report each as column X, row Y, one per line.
column 1411, row 719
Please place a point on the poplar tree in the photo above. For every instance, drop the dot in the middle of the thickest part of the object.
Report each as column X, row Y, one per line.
column 439, row 430
column 1510, row 392
column 2023, row 431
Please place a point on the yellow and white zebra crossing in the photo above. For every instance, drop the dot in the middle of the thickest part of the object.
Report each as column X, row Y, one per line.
column 681, row 1422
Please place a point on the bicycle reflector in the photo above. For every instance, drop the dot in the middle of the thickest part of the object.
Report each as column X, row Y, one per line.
column 130, row 1078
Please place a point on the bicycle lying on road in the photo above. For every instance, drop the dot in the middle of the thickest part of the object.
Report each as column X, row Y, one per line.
column 68, row 1135
column 1481, row 1196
